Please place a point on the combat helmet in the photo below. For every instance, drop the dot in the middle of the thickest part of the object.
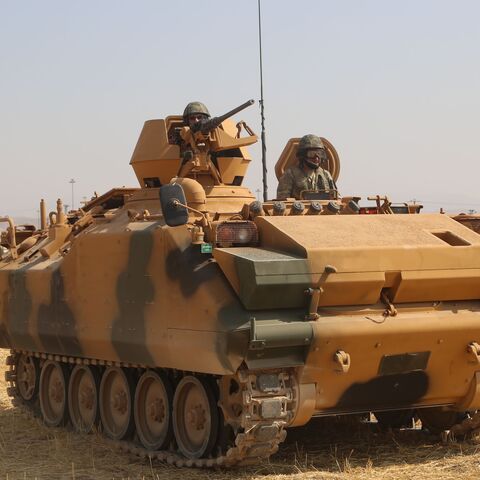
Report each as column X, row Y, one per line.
column 310, row 142
column 194, row 108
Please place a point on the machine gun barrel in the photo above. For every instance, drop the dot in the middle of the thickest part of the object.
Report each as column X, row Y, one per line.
column 212, row 123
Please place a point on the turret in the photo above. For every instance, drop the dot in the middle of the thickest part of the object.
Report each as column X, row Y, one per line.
column 215, row 154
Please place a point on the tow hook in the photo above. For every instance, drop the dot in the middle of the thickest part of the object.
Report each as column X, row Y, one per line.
column 473, row 349
column 343, row 360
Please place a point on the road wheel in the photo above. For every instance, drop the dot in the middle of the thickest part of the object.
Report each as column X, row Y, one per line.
column 152, row 410
column 53, row 393
column 28, row 377
column 195, row 417
column 116, row 395
column 83, row 398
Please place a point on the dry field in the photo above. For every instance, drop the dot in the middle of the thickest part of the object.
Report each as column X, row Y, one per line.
column 324, row 450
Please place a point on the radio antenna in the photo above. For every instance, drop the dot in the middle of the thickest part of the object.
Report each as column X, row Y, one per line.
column 262, row 108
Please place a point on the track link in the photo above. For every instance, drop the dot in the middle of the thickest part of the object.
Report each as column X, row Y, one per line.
column 266, row 404
column 468, row 427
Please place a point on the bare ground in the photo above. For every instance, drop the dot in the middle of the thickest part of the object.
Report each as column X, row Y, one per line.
column 332, row 449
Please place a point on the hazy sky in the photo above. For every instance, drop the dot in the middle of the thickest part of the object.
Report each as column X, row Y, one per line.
column 394, row 85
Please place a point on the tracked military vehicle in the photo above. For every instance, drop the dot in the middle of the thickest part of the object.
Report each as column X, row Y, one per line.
column 195, row 324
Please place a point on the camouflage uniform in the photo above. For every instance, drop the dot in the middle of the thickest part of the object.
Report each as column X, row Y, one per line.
column 295, row 180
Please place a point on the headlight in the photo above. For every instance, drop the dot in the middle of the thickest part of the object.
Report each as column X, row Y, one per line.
column 236, row 233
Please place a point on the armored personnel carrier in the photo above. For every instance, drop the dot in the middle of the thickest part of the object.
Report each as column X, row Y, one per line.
column 191, row 322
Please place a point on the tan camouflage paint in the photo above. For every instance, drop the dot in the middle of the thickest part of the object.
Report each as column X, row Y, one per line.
column 130, row 288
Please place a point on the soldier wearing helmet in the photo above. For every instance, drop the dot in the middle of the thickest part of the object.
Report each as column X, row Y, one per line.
column 308, row 174
column 194, row 113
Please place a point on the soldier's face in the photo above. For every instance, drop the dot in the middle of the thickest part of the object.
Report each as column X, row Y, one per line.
column 195, row 118
column 315, row 156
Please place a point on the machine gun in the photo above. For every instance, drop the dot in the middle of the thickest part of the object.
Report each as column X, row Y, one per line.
column 204, row 139
column 206, row 126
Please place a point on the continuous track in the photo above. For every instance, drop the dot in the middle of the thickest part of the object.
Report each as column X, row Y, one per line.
column 255, row 415
column 256, row 423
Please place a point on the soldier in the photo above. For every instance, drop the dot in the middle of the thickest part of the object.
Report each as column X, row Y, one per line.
column 308, row 174
column 194, row 113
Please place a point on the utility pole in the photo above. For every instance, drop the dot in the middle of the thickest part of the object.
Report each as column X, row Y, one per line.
column 72, row 182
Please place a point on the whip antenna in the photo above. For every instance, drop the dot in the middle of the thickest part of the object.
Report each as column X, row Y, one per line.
column 262, row 107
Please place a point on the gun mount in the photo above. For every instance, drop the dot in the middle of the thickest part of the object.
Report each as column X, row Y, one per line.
column 214, row 154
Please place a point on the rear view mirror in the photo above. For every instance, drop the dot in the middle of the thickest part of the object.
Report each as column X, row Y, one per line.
column 172, row 199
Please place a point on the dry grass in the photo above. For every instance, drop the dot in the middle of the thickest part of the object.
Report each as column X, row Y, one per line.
column 332, row 450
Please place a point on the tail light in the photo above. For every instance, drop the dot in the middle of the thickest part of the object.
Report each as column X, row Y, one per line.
column 236, row 233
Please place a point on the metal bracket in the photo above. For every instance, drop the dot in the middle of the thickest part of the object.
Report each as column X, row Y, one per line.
column 473, row 349
column 255, row 343
column 239, row 126
column 342, row 358
column 384, row 207
column 314, row 301
column 390, row 310
column 12, row 243
column 316, row 292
